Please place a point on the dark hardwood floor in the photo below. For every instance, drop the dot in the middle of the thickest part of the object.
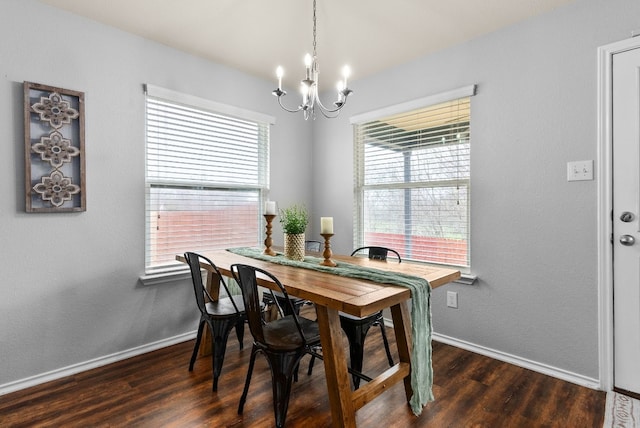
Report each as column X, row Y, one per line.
column 157, row 390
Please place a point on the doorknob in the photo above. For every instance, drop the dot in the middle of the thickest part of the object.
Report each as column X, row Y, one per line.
column 626, row 217
column 627, row 240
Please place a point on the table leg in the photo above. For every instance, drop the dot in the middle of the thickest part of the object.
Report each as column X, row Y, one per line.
column 402, row 328
column 343, row 411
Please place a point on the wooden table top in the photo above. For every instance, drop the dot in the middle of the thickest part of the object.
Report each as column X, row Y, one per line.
column 354, row 296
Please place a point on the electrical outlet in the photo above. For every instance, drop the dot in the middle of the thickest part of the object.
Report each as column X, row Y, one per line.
column 452, row 299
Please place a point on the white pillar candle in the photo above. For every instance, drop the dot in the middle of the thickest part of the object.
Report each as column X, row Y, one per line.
column 270, row 207
column 326, row 224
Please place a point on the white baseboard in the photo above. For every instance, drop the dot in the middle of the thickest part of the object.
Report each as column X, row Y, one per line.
column 92, row 364
column 521, row 362
column 119, row 356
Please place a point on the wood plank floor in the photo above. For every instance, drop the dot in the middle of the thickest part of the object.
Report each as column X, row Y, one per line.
column 157, row 390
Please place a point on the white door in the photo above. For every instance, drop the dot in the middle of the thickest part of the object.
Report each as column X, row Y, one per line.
column 626, row 220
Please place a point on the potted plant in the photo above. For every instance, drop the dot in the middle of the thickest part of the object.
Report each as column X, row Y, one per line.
column 294, row 220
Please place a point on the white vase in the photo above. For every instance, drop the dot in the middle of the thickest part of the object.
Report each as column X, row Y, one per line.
column 294, row 246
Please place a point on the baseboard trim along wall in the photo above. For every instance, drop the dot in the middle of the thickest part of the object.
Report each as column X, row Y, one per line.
column 521, row 362
column 92, row 364
column 119, row 356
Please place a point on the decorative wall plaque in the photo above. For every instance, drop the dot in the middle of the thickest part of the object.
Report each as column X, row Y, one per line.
column 54, row 149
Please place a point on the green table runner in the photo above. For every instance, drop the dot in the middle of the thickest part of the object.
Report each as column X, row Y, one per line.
column 421, row 368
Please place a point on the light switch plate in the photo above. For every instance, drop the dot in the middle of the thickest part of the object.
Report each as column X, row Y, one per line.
column 580, row 170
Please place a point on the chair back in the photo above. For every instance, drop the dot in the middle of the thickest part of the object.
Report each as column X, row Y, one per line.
column 312, row 245
column 194, row 260
column 247, row 278
column 378, row 253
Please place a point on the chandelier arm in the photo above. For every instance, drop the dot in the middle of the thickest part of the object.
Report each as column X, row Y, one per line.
column 329, row 110
column 328, row 115
column 287, row 109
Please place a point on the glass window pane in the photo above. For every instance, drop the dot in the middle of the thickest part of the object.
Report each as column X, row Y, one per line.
column 412, row 176
column 205, row 177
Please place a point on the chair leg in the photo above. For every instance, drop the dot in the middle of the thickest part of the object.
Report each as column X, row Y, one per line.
column 240, row 331
column 313, row 360
column 197, row 346
column 283, row 366
column 356, row 333
column 219, row 333
column 252, row 360
column 310, row 370
column 386, row 342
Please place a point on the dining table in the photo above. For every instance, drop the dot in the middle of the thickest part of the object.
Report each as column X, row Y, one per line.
column 332, row 294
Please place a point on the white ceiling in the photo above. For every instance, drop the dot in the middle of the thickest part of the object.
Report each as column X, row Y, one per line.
column 258, row 35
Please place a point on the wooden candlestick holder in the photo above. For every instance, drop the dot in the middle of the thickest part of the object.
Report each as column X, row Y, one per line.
column 268, row 242
column 327, row 250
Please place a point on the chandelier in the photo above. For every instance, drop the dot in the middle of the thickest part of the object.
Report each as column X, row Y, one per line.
column 309, row 86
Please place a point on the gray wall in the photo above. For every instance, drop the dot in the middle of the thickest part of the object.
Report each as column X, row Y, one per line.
column 69, row 289
column 533, row 241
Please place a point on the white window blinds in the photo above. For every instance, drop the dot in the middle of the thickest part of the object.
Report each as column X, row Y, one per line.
column 412, row 180
column 206, row 174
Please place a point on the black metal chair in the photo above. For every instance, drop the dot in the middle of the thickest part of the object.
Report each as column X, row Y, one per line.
column 377, row 253
column 313, row 246
column 283, row 341
column 356, row 328
column 220, row 315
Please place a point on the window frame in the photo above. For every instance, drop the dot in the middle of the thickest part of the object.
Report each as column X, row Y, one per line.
column 158, row 274
column 359, row 168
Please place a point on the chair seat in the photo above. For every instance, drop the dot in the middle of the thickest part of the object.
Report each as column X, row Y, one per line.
column 359, row 320
column 223, row 307
column 297, row 302
column 282, row 334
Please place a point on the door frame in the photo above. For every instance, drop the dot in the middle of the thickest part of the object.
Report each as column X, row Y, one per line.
column 605, row 207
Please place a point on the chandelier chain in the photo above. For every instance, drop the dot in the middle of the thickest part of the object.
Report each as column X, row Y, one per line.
column 314, row 29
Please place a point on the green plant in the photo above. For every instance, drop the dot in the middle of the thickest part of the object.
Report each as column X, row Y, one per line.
column 294, row 219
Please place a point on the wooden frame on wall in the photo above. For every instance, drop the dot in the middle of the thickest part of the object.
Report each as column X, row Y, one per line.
column 54, row 149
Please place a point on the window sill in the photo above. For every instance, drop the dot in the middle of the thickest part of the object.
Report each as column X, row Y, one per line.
column 162, row 277
column 466, row 279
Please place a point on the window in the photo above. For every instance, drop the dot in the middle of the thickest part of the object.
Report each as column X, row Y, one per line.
column 412, row 178
column 206, row 176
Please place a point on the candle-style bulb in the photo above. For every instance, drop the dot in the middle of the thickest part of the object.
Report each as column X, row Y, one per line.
column 346, row 72
column 305, row 93
column 279, row 73
column 307, row 63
